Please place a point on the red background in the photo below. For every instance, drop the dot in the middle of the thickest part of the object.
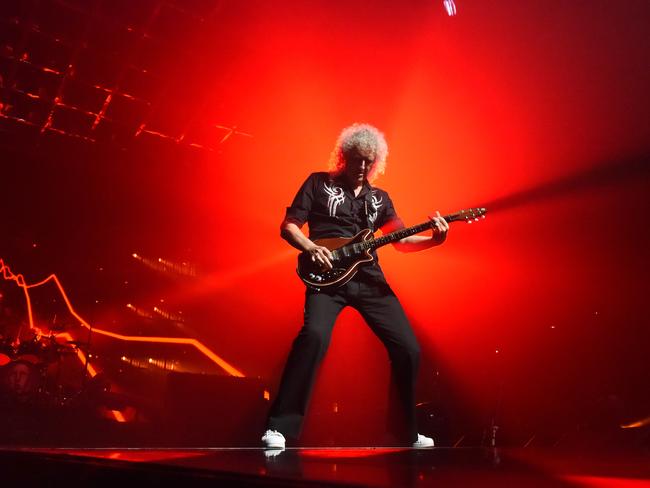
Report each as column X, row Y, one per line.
column 536, row 110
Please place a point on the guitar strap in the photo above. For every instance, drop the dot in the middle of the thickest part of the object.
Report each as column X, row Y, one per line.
column 367, row 203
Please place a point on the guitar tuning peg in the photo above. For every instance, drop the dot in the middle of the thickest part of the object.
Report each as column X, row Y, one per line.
column 476, row 219
column 469, row 221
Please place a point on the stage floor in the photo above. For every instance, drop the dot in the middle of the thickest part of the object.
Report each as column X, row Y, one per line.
column 372, row 467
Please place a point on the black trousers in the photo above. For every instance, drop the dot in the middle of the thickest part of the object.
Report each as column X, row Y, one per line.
column 384, row 314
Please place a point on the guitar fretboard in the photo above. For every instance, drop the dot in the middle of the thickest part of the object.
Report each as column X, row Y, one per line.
column 397, row 235
column 377, row 242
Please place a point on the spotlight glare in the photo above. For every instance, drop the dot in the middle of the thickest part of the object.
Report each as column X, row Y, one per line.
column 450, row 7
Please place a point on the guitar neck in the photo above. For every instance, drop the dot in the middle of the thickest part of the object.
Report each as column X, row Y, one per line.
column 406, row 232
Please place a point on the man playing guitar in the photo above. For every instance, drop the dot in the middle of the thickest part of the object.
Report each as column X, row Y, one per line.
column 335, row 204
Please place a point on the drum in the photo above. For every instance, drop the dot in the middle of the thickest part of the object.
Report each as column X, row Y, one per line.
column 31, row 347
column 6, row 351
column 31, row 350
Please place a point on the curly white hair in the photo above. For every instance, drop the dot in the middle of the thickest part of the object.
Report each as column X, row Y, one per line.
column 365, row 138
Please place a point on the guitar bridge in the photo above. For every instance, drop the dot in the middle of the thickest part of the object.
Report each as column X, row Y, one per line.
column 326, row 276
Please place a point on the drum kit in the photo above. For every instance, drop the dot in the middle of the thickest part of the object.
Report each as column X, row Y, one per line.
column 30, row 369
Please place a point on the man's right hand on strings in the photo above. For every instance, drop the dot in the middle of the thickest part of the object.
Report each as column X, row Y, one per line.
column 321, row 256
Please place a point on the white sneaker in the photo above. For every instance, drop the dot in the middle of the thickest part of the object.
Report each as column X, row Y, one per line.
column 423, row 441
column 272, row 454
column 273, row 439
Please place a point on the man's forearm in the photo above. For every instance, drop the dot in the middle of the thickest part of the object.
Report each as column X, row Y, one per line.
column 291, row 233
column 416, row 243
column 419, row 243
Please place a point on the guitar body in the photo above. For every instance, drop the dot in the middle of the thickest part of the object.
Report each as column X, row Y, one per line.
column 345, row 264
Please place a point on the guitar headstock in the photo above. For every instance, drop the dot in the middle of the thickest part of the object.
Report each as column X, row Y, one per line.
column 469, row 215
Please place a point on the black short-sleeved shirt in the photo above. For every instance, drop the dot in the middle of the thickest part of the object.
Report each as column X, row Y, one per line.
column 330, row 208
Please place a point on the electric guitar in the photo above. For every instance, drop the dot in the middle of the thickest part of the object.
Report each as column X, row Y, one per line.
column 348, row 253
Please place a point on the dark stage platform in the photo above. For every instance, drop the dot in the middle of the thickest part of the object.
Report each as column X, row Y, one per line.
column 380, row 467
